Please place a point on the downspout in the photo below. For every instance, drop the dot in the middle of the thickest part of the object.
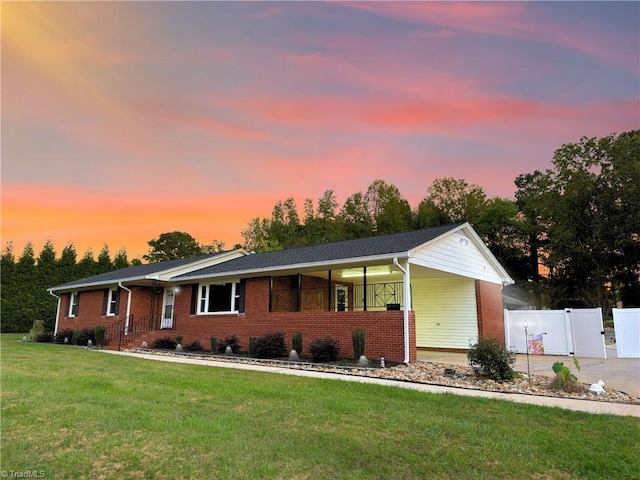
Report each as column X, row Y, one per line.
column 126, row 321
column 407, row 304
column 55, row 330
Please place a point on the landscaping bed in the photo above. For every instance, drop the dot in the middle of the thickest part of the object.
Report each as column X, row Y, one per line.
column 423, row 372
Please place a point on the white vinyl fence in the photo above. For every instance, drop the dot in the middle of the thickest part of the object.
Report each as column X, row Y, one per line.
column 556, row 332
column 626, row 322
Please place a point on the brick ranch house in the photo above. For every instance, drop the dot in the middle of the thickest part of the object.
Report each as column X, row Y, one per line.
column 438, row 288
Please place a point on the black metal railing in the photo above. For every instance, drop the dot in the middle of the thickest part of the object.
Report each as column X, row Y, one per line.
column 114, row 333
column 388, row 295
column 130, row 327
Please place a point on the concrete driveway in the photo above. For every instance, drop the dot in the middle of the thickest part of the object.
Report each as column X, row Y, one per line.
column 622, row 374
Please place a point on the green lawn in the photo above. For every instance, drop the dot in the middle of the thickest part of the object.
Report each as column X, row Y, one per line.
column 73, row 413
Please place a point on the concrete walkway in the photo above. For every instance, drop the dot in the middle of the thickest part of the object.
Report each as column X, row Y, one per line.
column 570, row 404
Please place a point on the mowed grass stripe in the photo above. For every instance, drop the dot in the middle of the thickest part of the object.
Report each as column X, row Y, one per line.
column 73, row 413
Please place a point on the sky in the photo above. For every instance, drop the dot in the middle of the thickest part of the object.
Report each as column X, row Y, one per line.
column 125, row 120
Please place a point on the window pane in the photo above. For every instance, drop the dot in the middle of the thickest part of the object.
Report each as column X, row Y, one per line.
column 112, row 302
column 203, row 299
column 220, row 298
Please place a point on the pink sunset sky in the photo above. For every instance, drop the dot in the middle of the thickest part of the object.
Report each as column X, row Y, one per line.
column 121, row 121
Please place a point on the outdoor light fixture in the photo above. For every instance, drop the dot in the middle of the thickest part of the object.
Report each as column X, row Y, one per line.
column 371, row 272
column 464, row 242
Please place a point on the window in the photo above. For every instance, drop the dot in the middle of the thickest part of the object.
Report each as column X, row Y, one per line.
column 111, row 301
column 219, row 298
column 73, row 304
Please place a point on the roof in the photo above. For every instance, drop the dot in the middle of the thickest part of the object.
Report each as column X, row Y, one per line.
column 383, row 246
column 136, row 272
column 360, row 251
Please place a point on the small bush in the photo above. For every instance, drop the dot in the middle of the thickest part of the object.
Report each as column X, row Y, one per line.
column 179, row 339
column 214, row 343
column 358, row 338
column 36, row 330
column 229, row 341
column 83, row 336
column 62, row 334
column 164, row 343
column 194, row 346
column 324, row 349
column 270, row 345
column 296, row 342
column 44, row 338
column 489, row 357
column 99, row 335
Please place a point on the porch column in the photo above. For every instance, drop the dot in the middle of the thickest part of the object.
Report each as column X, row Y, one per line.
column 364, row 286
column 406, row 288
column 329, row 291
column 299, row 294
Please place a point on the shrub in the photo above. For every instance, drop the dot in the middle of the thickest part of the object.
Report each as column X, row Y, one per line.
column 62, row 334
column 270, row 345
column 81, row 337
column 36, row 330
column 99, row 334
column 194, row 346
column 164, row 343
column 324, row 349
column 358, row 338
column 44, row 338
column 179, row 339
column 489, row 357
column 229, row 341
column 564, row 379
column 214, row 343
column 296, row 342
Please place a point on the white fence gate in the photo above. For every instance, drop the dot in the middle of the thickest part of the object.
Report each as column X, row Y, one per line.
column 571, row 331
column 626, row 322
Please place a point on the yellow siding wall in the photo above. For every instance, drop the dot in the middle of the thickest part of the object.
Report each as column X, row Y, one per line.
column 446, row 313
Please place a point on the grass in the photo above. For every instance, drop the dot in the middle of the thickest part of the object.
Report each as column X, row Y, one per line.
column 73, row 413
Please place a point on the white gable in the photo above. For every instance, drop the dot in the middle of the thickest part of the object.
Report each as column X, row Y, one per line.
column 460, row 252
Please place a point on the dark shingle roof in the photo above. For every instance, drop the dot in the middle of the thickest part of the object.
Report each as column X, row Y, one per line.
column 136, row 272
column 396, row 243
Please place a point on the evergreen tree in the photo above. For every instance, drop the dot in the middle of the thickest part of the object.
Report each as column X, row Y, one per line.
column 47, row 274
column 104, row 260
column 120, row 260
column 67, row 264
column 8, row 292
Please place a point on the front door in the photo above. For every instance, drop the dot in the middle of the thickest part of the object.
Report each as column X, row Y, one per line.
column 167, row 309
column 342, row 299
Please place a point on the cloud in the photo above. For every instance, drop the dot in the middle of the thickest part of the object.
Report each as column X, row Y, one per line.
column 515, row 20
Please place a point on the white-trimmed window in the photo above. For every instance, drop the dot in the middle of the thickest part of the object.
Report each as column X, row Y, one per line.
column 218, row 298
column 112, row 302
column 73, row 303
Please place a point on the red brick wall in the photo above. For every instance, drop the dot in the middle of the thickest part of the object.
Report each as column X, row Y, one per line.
column 90, row 310
column 490, row 312
column 384, row 330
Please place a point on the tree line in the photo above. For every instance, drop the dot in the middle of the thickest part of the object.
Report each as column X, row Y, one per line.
column 571, row 237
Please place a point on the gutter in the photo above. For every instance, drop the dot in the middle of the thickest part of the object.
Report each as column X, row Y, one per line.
column 407, row 304
column 126, row 323
column 55, row 330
